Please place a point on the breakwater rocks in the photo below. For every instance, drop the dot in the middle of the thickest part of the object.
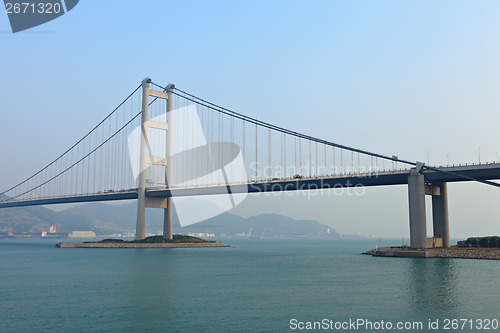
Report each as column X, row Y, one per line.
column 452, row 252
column 139, row 245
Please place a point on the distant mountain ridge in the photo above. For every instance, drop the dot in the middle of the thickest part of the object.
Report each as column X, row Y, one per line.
column 39, row 218
column 111, row 219
column 264, row 225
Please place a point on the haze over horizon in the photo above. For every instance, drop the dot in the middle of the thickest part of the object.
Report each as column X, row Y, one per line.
column 419, row 80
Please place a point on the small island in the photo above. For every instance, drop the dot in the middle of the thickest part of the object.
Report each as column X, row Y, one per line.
column 472, row 248
column 178, row 241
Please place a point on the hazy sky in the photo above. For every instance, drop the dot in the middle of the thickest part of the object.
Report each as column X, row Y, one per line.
column 406, row 78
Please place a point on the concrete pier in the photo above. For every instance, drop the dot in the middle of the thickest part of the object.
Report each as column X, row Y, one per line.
column 167, row 213
column 452, row 252
column 140, row 229
column 167, row 220
column 416, row 200
column 440, row 215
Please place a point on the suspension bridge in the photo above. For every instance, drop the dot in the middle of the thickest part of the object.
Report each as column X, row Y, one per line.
column 162, row 143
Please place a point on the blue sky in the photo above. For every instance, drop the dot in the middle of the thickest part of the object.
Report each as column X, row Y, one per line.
column 400, row 78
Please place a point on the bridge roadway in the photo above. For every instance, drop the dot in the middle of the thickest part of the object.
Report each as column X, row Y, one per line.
column 488, row 171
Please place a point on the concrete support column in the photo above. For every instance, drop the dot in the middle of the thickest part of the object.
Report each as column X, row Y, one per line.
column 167, row 220
column 440, row 215
column 416, row 199
column 167, row 212
column 140, row 228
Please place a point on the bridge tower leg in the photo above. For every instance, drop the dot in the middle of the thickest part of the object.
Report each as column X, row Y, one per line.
column 146, row 158
column 167, row 212
column 140, row 228
column 440, row 215
column 416, row 198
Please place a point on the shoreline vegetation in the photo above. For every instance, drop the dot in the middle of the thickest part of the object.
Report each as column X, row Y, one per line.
column 157, row 240
column 178, row 241
column 487, row 242
column 472, row 248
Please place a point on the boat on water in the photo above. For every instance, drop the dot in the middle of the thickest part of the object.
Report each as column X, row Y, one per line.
column 51, row 234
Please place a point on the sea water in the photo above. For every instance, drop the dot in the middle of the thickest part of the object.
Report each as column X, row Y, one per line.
column 256, row 285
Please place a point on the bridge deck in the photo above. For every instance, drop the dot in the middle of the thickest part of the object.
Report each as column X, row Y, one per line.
column 400, row 177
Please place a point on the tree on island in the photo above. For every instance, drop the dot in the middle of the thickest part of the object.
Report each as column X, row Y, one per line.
column 489, row 242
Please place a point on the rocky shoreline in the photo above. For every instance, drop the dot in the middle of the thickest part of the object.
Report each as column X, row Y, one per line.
column 452, row 252
column 139, row 245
